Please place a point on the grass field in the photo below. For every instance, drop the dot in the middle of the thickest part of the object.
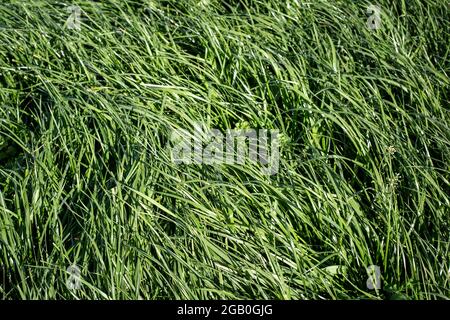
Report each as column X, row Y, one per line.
column 92, row 206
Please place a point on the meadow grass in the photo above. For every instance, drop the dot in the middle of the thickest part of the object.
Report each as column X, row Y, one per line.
column 86, row 177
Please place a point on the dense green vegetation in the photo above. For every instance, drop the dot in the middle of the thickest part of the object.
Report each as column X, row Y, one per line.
column 86, row 175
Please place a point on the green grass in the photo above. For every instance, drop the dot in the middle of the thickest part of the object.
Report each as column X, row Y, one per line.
column 86, row 177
